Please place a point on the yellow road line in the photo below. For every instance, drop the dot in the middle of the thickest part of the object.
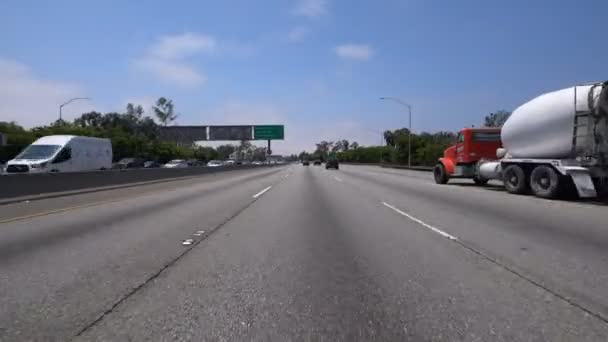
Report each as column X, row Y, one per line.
column 44, row 213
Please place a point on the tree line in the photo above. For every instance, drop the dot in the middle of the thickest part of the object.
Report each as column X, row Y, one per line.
column 426, row 148
column 133, row 134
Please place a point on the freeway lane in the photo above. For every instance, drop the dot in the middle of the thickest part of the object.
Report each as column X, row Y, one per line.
column 560, row 245
column 362, row 254
column 60, row 271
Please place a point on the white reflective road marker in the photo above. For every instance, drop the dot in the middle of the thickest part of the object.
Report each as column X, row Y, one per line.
column 338, row 179
column 261, row 192
column 187, row 242
column 422, row 223
column 199, row 233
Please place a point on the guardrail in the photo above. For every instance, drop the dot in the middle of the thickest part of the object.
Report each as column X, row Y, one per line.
column 20, row 185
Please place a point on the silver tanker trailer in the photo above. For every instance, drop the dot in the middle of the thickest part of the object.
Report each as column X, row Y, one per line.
column 556, row 139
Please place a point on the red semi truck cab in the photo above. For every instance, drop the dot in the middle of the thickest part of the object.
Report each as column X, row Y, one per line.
column 461, row 160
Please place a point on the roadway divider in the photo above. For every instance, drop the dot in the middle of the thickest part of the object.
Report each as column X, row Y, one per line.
column 23, row 185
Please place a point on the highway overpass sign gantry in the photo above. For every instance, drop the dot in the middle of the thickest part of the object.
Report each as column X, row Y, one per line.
column 187, row 135
column 269, row 132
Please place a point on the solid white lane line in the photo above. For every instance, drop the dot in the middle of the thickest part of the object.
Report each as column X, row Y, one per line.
column 422, row 223
column 261, row 192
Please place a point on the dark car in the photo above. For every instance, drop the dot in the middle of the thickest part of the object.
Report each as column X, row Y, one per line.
column 316, row 162
column 306, row 163
column 151, row 164
column 332, row 164
column 128, row 163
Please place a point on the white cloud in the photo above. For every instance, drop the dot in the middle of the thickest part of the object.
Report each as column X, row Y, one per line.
column 177, row 47
column 174, row 72
column 166, row 60
column 32, row 101
column 311, row 8
column 361, row 52
column 297, row 33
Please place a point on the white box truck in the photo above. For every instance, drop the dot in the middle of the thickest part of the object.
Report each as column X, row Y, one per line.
column 63, row 153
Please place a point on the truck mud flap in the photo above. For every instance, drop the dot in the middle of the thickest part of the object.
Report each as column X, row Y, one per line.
column 582, row 181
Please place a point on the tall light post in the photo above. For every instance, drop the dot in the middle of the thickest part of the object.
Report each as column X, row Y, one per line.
column 409, row 136
column 68, row 102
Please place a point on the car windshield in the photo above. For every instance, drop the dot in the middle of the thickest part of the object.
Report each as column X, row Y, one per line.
column 36, row 152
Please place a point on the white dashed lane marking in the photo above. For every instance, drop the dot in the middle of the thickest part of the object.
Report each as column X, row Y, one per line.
column 420, row 222
column 261, row 192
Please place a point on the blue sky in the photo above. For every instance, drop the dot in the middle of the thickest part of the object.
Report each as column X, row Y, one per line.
column 317, row 66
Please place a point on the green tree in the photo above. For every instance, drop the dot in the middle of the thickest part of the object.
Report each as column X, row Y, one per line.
column 389, row 137
column 91, row 119
column 164, row 111
column 135, row 111
column 496, row 119
column 225, row 150
column 259, row 154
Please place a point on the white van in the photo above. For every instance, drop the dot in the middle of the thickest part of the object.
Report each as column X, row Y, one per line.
column 63, row 153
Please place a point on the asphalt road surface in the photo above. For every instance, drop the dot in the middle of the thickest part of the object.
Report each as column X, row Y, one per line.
column 301, row 253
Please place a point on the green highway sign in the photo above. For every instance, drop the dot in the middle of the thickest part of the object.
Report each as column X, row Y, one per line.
column 269, row 132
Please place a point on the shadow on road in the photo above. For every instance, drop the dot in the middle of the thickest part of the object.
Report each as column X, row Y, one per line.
column 569, row 196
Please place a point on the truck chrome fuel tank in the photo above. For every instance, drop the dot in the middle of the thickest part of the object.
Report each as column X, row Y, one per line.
column 490, row 170
column 544, row 126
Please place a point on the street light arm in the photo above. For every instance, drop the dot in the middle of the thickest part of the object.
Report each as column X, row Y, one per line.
column 74, row 99
column 397, row 100
column 68, row 102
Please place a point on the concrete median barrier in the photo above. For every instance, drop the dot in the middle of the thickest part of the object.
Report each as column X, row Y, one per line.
column 17, row 186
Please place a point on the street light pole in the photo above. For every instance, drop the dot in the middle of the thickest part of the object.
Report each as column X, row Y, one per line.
column 68, row 102
column 409, row 136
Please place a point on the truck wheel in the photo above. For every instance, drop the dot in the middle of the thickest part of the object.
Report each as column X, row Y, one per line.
column 514, row 178
column 545, row 182
column 480, row 180
column 440, row 174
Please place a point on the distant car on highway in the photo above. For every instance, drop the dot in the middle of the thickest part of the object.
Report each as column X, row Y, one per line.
column 306, row 163
column 316, row 162
column 128, row 163
column 332, row 164
column 176, row 164
column 195, row 162
column 151, row 164
column 215, row 163
column 257, row 162
column 229, row 163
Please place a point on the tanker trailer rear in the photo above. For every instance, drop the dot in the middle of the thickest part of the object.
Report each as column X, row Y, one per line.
column 553, row 140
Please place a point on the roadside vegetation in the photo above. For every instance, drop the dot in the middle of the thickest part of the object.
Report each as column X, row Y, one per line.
column 426, row 147
column 132, row 132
